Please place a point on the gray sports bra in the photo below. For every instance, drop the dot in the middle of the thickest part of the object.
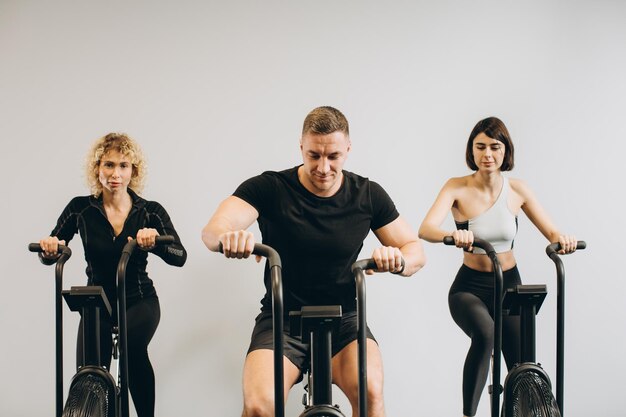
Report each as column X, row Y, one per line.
column 497, row 225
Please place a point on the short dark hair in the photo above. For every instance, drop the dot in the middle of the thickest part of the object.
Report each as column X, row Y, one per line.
column 495, row 129
column 325, row 120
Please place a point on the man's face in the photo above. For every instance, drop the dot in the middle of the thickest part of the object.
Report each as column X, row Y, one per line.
column 323, row 157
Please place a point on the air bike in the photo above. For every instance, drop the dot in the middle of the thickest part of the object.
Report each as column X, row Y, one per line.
column 527, row 388
column 93, row 391
column 317, row 324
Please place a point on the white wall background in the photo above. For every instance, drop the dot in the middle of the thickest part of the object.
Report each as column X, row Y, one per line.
column 216, row 92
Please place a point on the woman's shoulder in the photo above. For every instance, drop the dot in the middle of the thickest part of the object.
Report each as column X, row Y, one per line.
column 458, row 183
column 77, row 206
column 139, row 201
column 81, row 202
column 518, row 185
column 150, row 205
column 81, row 198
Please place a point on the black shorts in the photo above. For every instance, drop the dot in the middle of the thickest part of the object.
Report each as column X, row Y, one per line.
column 294, row 349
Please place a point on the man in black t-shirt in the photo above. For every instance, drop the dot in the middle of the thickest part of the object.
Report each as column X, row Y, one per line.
column 316, row 216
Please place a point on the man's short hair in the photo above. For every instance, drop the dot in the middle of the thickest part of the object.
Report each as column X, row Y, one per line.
column 325, row 120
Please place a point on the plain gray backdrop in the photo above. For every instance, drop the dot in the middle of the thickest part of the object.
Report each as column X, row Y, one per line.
column 216, row 92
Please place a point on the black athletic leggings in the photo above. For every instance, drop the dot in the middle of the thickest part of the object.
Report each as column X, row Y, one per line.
column 471, row 305
column 142, row 319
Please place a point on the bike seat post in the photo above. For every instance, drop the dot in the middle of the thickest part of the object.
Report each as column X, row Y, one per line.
column 92, row 302
column 525, row 301
column 321, row 371
column 528, row 332
column 91, row 335
column 319, row 322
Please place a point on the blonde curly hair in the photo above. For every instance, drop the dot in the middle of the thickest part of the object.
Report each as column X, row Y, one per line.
column 123, row 144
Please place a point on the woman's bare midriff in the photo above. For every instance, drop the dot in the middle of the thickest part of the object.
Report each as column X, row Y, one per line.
column 481, row 262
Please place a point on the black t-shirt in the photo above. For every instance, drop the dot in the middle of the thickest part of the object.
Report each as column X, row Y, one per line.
column 317, row 238
column 86, row 216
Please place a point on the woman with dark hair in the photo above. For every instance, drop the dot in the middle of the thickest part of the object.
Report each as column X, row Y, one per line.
column 485, row 205
column 113, row 214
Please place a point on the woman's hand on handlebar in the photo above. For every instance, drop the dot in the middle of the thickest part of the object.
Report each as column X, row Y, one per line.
column 388, row 259
column 238, row 244
column 50, row 246
column 146, row 238
column 568, row 244
column 463, row 239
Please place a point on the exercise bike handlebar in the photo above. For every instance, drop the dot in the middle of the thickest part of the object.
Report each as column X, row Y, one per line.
column 365, row 264
column 277, row 320
column 261, row 250
column 358, row 269
column 552, row 250
column 479, row 243
column 129, row 247
column 63, row 250
column 127, row 252
column 65, row 254
column 496, row 388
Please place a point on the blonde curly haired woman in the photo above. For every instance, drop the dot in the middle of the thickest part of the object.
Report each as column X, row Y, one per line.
column 113, row 214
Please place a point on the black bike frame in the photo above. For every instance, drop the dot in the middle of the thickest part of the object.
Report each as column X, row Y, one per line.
column 275, row 267
column 66, row 253
column 552, row 252
column 121, row 314
column 358, row 269
column 496, row 388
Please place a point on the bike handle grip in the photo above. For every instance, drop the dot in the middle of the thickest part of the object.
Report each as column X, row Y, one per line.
column 365, row 264
column 448, row 240
column 164, row 240
column 36, row 247
column 261, row 250
column 555, row 247
column 160, row 240
column 479, row 243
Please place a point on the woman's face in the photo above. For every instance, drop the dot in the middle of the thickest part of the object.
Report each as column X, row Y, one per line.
column 115, row 172
column 488, row 153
